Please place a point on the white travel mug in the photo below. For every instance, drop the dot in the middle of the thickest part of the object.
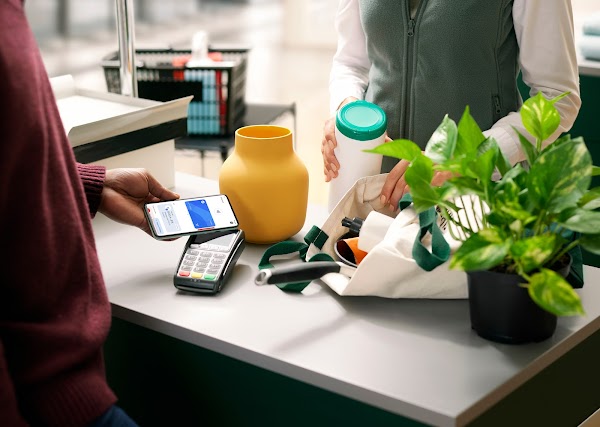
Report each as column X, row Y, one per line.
column 359, row 125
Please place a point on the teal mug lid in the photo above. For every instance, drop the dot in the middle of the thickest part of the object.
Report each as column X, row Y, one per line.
column 361, row 120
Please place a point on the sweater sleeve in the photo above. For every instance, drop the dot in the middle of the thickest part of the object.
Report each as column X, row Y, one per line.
column 8, row 401
column 92, row 177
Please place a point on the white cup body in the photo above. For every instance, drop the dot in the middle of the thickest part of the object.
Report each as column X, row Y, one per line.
column 354, row 164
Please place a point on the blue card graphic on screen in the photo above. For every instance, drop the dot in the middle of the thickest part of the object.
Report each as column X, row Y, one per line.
column 200, row 214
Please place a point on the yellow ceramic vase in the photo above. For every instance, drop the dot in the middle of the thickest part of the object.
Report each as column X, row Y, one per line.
column 267, row 183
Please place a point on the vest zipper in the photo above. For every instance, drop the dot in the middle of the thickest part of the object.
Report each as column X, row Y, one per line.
column 411, row 27
column 409, row 78
column 497, row 109
column 410, row 53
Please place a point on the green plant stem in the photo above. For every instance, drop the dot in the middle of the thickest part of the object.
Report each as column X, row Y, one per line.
column 450, row 218
column 482, row 208
column 467, row 211
column 563, row 251
column 541, row 219
column 478, row 220
column 525, row 276
column 444, row 212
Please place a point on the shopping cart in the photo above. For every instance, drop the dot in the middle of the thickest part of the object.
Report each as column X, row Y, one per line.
column 219, row 87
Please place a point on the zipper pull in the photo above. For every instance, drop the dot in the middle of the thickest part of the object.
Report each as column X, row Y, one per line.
column 497, row 105
column 411, row 27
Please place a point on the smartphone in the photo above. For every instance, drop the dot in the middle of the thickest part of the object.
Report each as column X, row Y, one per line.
column 207, row 261
column 184, row 217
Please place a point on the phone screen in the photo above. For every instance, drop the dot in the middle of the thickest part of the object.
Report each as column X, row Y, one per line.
column 187, row 216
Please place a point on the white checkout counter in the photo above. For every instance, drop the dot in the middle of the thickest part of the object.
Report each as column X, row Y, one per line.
column 415, row 358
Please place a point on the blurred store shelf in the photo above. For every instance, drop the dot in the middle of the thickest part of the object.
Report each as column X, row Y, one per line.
column 280, row 71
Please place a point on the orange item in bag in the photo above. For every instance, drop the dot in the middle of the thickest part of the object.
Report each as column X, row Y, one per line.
column 352, row 243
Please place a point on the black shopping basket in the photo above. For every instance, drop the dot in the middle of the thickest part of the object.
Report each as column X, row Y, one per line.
column 219, row 87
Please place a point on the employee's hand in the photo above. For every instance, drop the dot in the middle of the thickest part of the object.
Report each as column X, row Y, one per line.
column 331, row 165
column 125, row 192
column 395, row 185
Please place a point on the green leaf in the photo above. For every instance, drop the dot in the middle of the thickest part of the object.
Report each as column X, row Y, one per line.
column 418, row 177
column 507, row 202
column 492, row 235
column 449, row 205
column 560, row 176
column 464, row 186
column 564, row 139
column 533, row 252
column 591, row 243
column 514, row 173
column 420, row 171
column 580, row 220
column 517, row 226
column 502, row 163
column 479, row 253
column 531, row 153
column 595, row 170
column 441, row 144
column 488, row 144
column 445, row 191
column 539, row 116
column 470, row 136
column 507, row 191
column 512, row 213
column 591, row 199
column 551, row 292
column 399, row 149
column 483, row 166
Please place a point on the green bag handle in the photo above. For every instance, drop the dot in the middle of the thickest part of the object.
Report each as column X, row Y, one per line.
column 440, row 249
column 315, row 236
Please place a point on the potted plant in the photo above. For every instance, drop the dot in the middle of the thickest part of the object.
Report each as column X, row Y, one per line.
column 516, row 231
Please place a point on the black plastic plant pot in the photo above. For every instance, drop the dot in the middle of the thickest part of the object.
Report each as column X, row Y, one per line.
column 502, row 311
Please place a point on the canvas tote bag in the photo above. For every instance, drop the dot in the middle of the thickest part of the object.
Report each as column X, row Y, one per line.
column 411, row 261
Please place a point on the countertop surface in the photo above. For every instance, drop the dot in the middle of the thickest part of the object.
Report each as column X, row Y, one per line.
column 416, row 358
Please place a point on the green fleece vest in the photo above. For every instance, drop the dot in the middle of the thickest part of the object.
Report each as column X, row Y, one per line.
column 453, row 53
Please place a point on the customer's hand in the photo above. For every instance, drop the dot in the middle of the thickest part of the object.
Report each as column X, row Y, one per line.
column 331, row 165
column 125, row 192
column 395, row 185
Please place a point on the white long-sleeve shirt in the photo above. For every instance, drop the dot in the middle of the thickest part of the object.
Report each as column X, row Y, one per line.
column 548, row 62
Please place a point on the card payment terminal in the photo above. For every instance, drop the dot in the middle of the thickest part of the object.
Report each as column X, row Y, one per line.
column 208, row 260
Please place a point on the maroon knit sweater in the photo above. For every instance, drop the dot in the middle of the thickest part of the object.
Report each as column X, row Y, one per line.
column 54, row 310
